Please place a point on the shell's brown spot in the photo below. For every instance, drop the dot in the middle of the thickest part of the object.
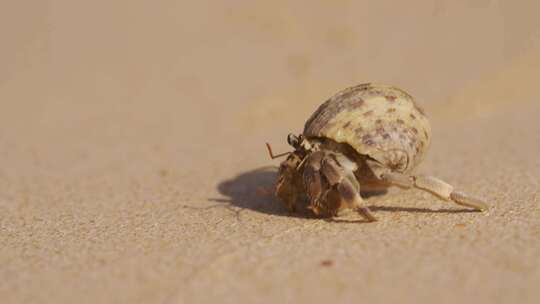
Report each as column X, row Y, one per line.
column 426, row 134
column 347, row 124
column 390, row 98
column 386, row 136
column 348, row 93
column 400, row 121
column 351, row 101
column 367, row 139
column 359, row 130
column 412, row 116
column 368, row 113
column 378, row 121
column 375, row 92
column 417, row 149
column 391, row 110
column 415, row 131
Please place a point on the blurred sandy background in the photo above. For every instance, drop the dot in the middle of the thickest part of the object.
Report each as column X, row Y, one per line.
column 133, row 167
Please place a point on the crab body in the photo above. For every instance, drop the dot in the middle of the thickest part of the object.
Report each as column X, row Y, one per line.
column 364, row 138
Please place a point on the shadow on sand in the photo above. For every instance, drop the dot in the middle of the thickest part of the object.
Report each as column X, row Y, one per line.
column 254, row 190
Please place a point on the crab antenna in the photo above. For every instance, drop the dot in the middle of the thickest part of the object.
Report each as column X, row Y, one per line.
column 272, row 156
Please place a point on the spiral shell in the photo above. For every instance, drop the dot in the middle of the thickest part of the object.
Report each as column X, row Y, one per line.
column 380, row 121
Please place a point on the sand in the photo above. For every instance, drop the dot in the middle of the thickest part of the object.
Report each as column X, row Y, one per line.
column 133, row 166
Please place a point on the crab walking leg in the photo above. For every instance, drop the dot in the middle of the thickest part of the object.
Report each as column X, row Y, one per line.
column 348, row 192
column 435, row 186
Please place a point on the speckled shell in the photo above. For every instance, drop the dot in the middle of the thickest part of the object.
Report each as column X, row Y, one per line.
column 380, row 121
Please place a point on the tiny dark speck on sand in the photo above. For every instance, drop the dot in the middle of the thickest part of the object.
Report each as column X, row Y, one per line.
column 327, row 263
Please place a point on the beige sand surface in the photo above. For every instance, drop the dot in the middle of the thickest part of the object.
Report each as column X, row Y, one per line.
column 133, row 167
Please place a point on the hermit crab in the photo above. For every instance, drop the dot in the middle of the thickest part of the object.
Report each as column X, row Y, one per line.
column 365, row 138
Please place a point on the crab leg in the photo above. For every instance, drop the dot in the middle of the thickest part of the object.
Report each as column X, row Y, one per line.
column 330, row 188
column 354, row 200
column 435, row 186
column 347, row 191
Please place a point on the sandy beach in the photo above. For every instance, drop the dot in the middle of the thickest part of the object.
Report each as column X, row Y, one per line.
column 133, row 167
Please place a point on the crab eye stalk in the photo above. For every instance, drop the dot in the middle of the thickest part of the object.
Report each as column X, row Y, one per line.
column 293, row 140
